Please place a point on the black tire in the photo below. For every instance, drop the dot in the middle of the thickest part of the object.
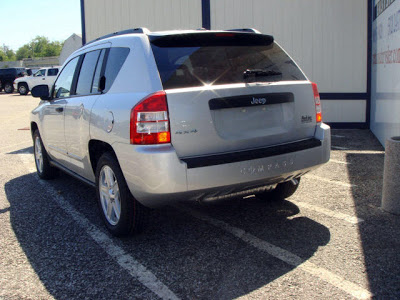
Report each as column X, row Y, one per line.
column 45, row 171
column 133, row 216
column 282, row 191
column 8, row 88
column 23, row 89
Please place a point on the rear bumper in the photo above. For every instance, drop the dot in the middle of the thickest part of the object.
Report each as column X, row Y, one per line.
column 156, row 176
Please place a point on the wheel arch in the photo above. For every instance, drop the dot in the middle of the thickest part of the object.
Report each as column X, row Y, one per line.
column 96, row 149
column 34, row 127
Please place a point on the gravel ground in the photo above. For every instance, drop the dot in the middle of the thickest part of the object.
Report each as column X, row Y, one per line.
column 330, row 240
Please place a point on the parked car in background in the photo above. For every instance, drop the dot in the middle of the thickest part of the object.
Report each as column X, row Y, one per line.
column 7, row 77
column 43, row 76
column 149, row 118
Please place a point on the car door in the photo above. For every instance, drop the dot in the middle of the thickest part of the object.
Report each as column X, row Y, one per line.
column 51, row 77
column 53, row 114
column 77, row 111
column 38, row 78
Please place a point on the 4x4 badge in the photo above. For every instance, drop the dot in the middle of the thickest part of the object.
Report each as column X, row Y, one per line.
column 306, row 119
column 186, row 131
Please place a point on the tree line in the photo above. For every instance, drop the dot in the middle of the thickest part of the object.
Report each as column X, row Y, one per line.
column 40, row 46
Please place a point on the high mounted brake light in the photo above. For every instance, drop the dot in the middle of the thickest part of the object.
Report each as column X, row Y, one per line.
column 317, row 100
column 149, row 122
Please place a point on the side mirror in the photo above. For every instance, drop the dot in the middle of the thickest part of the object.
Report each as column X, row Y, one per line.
column 41, row 91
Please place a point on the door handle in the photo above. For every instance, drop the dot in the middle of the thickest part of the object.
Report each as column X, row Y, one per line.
column 43, row 78
column 59, row 109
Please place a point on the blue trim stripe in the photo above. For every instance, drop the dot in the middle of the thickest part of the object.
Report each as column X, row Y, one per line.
column 343, row 96
column 206, row 14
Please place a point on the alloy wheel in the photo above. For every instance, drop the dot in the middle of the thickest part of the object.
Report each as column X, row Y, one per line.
column 38, row 155
column 109, row 195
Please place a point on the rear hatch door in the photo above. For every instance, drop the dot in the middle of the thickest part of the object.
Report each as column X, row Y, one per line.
column 229, row 92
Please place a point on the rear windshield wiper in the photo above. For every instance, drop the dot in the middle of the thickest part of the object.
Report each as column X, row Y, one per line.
column 259, row 72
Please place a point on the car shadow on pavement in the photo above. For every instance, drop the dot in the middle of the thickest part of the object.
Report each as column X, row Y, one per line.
column 4, row 210
column 191, row 257
column 27, row 150
column 380, row 230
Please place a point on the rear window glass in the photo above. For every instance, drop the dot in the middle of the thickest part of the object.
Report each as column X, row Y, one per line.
column 181, row 67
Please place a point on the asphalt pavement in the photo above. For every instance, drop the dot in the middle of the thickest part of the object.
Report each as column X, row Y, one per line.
column 331, row 240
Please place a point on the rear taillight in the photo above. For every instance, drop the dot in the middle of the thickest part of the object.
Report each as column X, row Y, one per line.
column 317, row 100
column 149, row 121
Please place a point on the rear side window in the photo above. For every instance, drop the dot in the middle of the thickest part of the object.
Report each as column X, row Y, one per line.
column 115, row 60
column 222, row 63
column 52, row 72
column 88, row 67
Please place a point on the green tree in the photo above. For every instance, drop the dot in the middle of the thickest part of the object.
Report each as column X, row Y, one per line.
column 6, row 54
column 40, row 46
column 52, row 49
column 3, row 56
column 10, row 54
column 24, row 52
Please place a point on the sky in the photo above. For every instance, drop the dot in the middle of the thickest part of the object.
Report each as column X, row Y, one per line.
column 23, row 20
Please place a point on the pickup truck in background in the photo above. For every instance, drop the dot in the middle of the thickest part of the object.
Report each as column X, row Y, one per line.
column 43, row 76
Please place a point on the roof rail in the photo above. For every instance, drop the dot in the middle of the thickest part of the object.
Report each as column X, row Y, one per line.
column 122, row 32
column 250, row 30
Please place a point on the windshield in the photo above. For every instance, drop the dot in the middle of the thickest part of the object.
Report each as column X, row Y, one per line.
column 181, row 67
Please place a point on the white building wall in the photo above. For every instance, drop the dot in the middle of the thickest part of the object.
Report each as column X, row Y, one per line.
column 385, row 83
column 106, row 16
column 327, row 38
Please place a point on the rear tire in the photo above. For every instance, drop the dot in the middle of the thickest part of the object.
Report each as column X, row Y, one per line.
column 122, row 214
column 42, row 162
column 23, row 89
column 8, row 88
column 281, row 192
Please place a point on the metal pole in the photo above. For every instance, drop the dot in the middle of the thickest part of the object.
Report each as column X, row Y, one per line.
column 391, row 176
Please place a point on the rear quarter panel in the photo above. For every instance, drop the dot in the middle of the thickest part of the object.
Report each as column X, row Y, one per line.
column 137, row 78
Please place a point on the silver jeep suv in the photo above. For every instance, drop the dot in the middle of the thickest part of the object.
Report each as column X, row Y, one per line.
column 149, row 118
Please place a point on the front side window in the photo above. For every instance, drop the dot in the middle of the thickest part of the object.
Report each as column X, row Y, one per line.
column 52, row 72
column 88, row 67
column 40, row 73
column 62, row 87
